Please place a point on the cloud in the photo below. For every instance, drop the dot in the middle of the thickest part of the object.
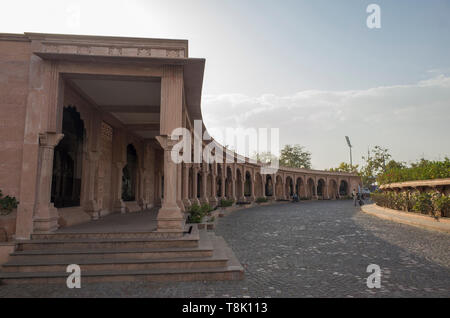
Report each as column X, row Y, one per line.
column 390, row 115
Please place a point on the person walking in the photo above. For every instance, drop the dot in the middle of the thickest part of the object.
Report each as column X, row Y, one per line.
column 355, row 196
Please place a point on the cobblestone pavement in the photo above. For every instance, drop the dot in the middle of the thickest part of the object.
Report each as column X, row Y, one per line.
column 313, row 249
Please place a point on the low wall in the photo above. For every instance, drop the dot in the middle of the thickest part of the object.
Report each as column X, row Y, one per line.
column 409, row 218
column 439, row 185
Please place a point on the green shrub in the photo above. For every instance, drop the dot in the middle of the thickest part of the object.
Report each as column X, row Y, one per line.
column 441, row 205
column 7, row 204
column 195, row 214
column 434, row 204
column 206, row 208
column 262, row 200
column 226, row 203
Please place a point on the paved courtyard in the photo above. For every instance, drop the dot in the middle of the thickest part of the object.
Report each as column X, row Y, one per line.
column 312, row 249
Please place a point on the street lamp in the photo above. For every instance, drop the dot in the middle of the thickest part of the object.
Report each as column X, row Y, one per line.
column 350, row 146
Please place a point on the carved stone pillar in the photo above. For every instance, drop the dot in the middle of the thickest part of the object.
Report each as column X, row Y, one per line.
column 252, row 197
column 204, row 187
column 180, row 187
column 46, row 215
column 186, row 201
column 194, row 199
column 170, row 217
column 213, row 201
column 233, row 189
column 223, row 183
column 141, row 197
column 91, row 205
column 242, row 189
column 116, row 185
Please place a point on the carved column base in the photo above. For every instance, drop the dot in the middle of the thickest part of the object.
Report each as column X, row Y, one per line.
column 119, row 206
column 143, row 204
column 170, row 220
column 195, row 201
column 204, row 201
column 180, row 204
column 91, row 207
column 213, row 201
column 46, row 220
column 187, row 203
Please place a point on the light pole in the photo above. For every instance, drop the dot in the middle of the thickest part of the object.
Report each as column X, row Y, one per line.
column 350, row 146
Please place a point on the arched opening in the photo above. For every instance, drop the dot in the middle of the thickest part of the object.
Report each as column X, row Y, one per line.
column 67, row 162
column 210, row 186
column 279, row 188
column 199, row 185
column 129, row 176
column 228, row 184
column 289, row 189
column 332, row 189
column 343, row 188
column 259, row 191
column 219, row 187
column 248, row 185
column 311, row 189
column 321, row 188
column 269, row 186
column 239, row 193
column 300, row 188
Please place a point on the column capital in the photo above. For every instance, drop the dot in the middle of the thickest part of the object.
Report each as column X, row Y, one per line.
column 49, row 139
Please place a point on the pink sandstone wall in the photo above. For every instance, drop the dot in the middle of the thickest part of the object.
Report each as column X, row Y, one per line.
column 14, row 68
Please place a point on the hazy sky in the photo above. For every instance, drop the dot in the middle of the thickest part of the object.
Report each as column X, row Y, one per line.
column 311, row 68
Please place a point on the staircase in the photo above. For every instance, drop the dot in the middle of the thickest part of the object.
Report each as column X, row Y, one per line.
column 108, row 257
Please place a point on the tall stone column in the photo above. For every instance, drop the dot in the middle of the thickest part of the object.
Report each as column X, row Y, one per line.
column 170, row 217
column 186, row 201
column 46, row 215
column 213, row 201
column 116, row 185
column 180, row 187
column 204, row 187
column 91, row 205
column 141, row 199
column 194, row 199
column 222, row 181
column 252, row 190
column 242, row 189
column 233, row 189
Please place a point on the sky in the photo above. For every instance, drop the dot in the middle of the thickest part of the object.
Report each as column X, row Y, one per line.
column 311, row 68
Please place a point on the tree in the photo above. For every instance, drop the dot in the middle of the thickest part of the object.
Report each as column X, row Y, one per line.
column 295, row 156
column 375, row 164
column 345, row 167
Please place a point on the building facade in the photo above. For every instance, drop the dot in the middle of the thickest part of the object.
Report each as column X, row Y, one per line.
column 85, row 125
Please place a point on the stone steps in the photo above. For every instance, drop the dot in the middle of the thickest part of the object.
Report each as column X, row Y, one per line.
column 143, row 253
column 44, row 265
column 155, row 275
column 94, row 244
column 196, row 256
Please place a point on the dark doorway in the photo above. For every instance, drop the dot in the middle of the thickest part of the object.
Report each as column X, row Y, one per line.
column 67, row 162
column 269, row 186
column 129, row 175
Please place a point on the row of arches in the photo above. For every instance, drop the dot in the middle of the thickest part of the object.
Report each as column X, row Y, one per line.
column 209, row 184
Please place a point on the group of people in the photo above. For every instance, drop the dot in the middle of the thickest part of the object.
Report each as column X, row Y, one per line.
column 357, row 198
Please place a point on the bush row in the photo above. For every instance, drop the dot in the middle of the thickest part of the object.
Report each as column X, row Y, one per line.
column 434, row 204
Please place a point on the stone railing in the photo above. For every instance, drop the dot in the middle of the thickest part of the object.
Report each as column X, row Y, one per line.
column 439, row 185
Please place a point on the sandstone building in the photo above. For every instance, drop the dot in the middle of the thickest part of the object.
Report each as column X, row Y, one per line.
column 84, row 132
